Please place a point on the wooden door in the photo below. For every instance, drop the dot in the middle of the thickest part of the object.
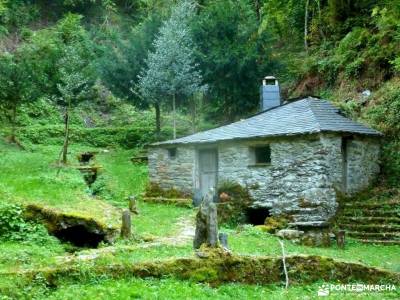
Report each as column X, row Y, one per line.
column 208, row 170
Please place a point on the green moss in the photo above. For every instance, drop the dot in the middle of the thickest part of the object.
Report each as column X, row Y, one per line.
column 170, row 201
column 153, row 190
column 57, row 220
column 219, row 270
column 275, row 223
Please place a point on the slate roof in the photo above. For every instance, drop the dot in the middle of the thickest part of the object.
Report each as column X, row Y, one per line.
column 309, row 115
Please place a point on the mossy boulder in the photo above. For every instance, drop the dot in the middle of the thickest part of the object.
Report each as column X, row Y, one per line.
column 275, row 223
column 302, row 269
column 62, row 224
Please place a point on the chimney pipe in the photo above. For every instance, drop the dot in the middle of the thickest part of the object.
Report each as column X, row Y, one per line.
column 270, row 93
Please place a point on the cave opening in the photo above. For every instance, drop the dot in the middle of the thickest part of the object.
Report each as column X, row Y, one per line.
column 257, row 216
column 79, row 236
column 85, row 157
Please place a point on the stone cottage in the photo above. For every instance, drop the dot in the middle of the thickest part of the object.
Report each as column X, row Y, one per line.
column 293, row 158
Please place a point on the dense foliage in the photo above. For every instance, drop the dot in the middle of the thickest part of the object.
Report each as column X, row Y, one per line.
column 86, row 50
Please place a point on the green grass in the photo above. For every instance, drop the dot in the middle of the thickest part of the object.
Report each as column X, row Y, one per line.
column 128, row 179
column 132, row 288
column 159, row 219
column 252, row 241
column 21, row 256
column 30, row 177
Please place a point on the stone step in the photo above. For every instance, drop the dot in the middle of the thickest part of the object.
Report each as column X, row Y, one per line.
column 370, row 228
column 389, row 204
column 306, row 218
column 370, row 220
column 374, row 235
column 309, row 224
column 371, row 213
column 381, row 242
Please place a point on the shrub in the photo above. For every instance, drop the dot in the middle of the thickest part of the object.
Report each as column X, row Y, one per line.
column 233, row 202
column 13, row 226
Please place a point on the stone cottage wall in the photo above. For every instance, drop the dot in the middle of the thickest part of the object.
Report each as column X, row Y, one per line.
column 172, row 173
column 296, row 181
column 363, row 163
column 363, row 158
column 302, row 179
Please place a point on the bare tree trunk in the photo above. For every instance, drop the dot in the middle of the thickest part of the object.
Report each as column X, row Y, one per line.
column 321, row 32
column 306, row 26
column 66, row 132
column 193, row 111
column 257, row 8
column 158, row 119
column 13, row 138
column 174, row 113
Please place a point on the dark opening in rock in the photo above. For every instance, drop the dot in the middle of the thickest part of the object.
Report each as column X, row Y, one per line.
column 79, row 236
column 256, row 216
column 85, row 157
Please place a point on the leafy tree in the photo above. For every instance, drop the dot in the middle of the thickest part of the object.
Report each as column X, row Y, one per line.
column 73, row 86
column 171, row 67
column 232, row 57
column 123, row 55
column 17, row 85
column 74, row 71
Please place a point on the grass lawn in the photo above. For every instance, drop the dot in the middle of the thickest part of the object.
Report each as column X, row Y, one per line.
column 30, row 177
column 168, row 288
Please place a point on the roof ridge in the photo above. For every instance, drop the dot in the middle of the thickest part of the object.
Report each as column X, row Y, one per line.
column 313, row 114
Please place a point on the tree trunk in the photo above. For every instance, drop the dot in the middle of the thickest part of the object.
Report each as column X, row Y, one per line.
column 158, row 120
column 306, row 25
column 257, row 8
column 193, row 111
column 66, row 134
column 13, row 138
column 174, row 114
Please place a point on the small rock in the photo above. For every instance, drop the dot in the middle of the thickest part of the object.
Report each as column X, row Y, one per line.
column 290, row 234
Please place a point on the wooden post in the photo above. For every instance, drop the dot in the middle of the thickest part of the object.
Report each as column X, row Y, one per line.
column 126, row 230
column 132, row 205
column 340, row 239
column 212, row 225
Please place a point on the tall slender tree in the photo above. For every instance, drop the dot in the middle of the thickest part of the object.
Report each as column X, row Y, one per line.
column 17, row 85
column 171, row 68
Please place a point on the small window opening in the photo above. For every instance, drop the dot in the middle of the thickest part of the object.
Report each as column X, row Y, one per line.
column 262, row 155
column 257, row 216
column 172, row 153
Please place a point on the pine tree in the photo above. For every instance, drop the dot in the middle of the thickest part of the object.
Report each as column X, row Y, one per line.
column 171, row 68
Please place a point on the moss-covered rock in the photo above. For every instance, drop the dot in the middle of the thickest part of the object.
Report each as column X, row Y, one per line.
column 276, row 223
column 59, row 223
column 217, row 270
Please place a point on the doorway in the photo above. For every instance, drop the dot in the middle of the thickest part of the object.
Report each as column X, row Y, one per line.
column 208, row 170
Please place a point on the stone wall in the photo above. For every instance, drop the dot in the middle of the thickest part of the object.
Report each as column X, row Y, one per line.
column 178, row 172
column 363, row 163
column 296, row 181
column 302, row 179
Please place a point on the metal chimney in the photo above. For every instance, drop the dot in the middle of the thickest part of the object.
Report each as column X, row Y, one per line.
column 270, row 94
